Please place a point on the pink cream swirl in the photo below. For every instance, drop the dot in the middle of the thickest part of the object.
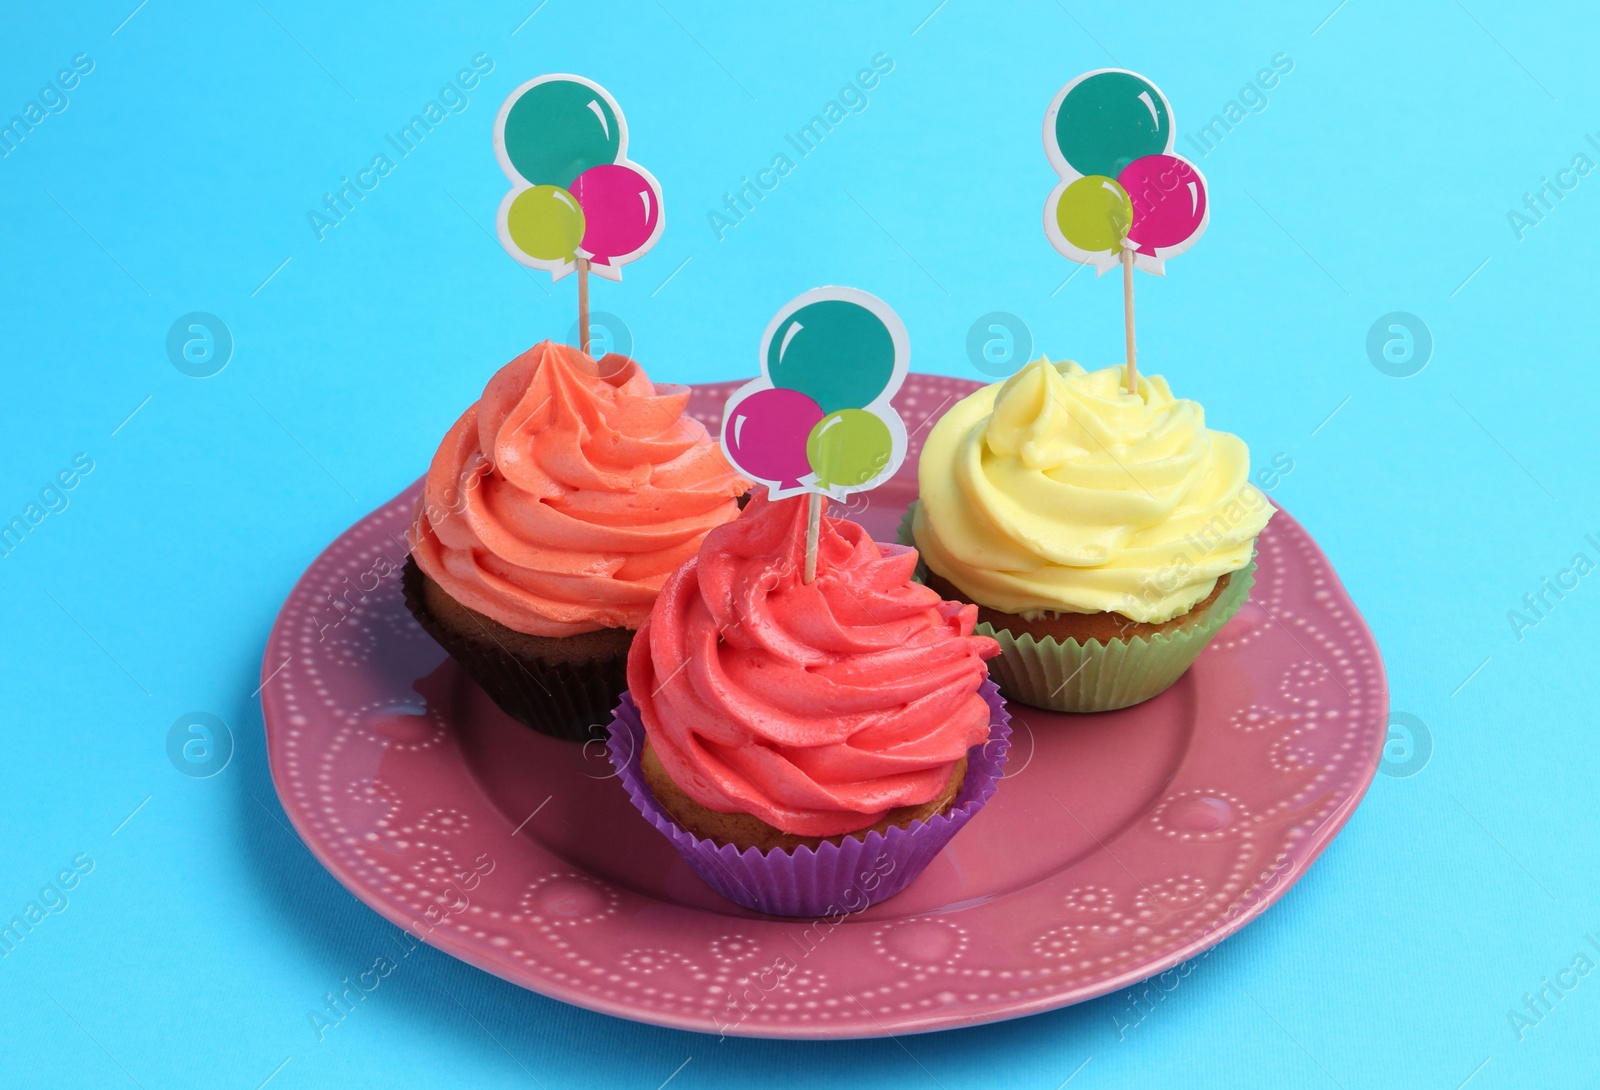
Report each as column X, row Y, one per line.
column 817, row 708
column 562, row 500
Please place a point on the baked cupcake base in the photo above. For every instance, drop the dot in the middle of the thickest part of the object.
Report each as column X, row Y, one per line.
column 1095, row 662
column 1082, row 627
column 747, row 831
column 565, row 687
column 831, row 879
column 1069, row 676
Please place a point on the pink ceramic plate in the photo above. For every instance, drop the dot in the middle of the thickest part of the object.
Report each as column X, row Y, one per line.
column 1117, row 846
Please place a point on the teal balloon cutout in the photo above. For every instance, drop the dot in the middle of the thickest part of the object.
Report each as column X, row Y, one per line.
column 837, row 353
column 559, row 129
column 1110, row 119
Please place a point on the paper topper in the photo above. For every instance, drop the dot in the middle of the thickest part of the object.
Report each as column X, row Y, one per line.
column 563, row 143
column 818, row 419
column 1109, row 134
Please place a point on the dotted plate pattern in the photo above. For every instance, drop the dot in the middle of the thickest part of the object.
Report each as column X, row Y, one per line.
column 1118, row 845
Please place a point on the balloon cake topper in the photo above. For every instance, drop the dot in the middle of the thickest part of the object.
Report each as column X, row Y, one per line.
column 576, row 200
column 1124, row 197
column 1109, row 134
column 818, row 419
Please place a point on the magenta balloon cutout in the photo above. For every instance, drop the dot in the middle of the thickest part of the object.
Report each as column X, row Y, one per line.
column 621, row 208
column 766, row 435
column 1169, row 202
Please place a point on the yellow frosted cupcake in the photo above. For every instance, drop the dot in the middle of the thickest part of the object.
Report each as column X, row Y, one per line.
column 1104, row 536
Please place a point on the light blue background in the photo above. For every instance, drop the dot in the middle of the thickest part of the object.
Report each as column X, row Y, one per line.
column 1379, row 177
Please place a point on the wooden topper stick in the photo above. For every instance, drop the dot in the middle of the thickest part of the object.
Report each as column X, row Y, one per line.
column 813, row 531
column 1127, row 320
column 583, row 304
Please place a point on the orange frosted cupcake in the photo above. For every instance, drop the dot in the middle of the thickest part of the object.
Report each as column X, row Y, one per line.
column 552, row 514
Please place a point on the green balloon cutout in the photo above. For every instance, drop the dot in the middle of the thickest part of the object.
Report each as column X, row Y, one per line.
column 837, row 353
column 546, row 223
column 1110, row 119
column 1094, row 214
column 849, row 448
column 558, row 130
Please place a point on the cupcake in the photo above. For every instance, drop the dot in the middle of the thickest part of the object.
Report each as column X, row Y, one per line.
column 552, row 514
column 1104, row 536
column 807, row 745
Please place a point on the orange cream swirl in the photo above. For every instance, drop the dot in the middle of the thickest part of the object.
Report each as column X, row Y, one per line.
column 562, row 500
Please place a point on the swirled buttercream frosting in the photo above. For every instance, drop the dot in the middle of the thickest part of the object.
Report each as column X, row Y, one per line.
column 562, row 500
column 1057, row 491
column 818, row 707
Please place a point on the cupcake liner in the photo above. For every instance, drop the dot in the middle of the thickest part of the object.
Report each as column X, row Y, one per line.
column 572, row 701
column 1095, row 676
column 903, row 535
column 831, row 880
column 1068, row 676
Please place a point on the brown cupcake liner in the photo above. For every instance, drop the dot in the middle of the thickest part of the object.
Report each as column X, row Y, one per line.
column 573, row 700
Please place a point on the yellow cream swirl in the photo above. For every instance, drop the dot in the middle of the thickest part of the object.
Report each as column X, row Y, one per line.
column 1059, row 491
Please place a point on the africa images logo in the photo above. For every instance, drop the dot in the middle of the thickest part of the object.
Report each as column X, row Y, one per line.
column 52, row 99
column 1541, row 202
column 451, row 99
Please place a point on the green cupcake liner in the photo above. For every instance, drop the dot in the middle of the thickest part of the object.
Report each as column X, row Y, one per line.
column 1068, row 676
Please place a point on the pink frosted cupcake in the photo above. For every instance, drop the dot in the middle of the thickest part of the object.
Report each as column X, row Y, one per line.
column 799, row 741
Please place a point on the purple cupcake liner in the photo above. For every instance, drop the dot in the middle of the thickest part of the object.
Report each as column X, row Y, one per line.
column 831, row 879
